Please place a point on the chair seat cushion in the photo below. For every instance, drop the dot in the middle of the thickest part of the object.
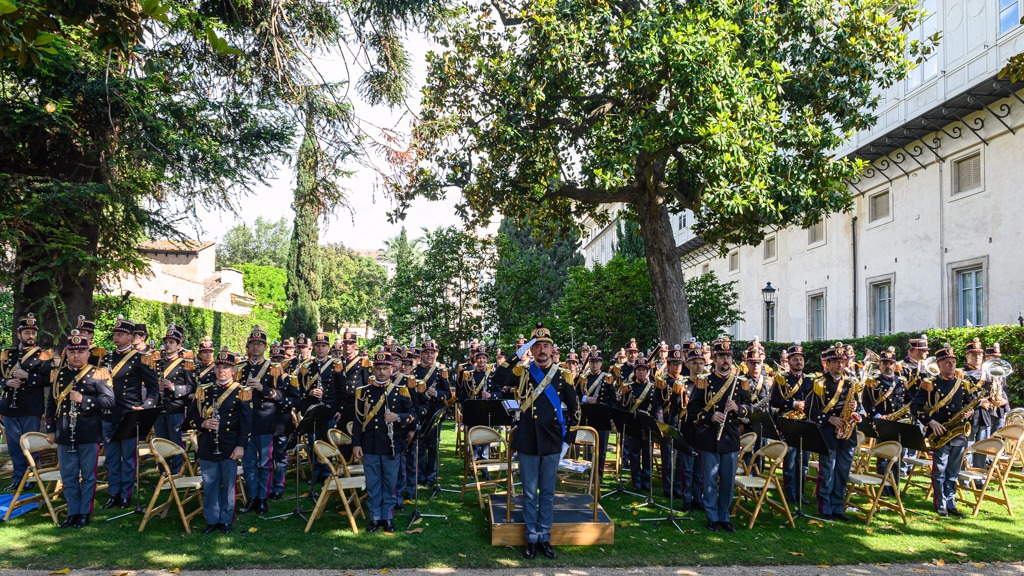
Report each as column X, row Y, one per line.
column 750, row 482
column 917, row 461
column 185, row 482
column 354, row 483
column 51, row 476
column 865, row 479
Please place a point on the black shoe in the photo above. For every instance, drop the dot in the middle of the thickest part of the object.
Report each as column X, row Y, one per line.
column 713, row 526
column 698, row 506
column 842, row 517
column 83, row 521
column 124, row 503
column 211, row 528
column 276, row 495
column 727, row 526
column 250, row 505
column 942, row 513
column 261, row 506
column 399, row 506
column 373, row 526
column 686, row 507
column 827, row 517
column 530, row 552
column 11, row 487
column 70, row 521
column 956, row 513
column 225, row 528
column 389, row 526
column 547, row 550
column 113, row 501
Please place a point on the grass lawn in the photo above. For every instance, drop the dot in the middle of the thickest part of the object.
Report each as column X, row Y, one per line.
column 463, row 539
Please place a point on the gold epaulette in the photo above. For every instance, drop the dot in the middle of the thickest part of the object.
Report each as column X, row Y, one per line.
column 245, row 393
column 518, row 370
column 4, row 355
column 744, row 383
column 701, row 383
column 743, row 368
column 294, row 381
column 769, row 371
column 959, row 373
column 780, row 380
column 366, row 362
column 46, row 355
column 276, row 370
column 201, row 392
column 567, row 374
column 188, row 355
column 926, row 385
column 303, row 369
column 581, row 380
column 616, row 369
column 444, row 373
column 404, row 391
column 99, row 351
column 660, row 383
column 411, row 381
column 149, row 360
column 359, row 393
column 870, row 383
column 338, row 367
column 101, row 373
column 819, row 387
column 53, row 377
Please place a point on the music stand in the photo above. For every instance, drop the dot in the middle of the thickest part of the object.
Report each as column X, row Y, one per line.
column 908, row 435
column 673, row 437
column 422, row 428
column 315, row 413
column 649, row 424
column 766, row 424
column 867, row 428
column 624, row 420
column 806, row 436
column 135, row 424
column 598, row 417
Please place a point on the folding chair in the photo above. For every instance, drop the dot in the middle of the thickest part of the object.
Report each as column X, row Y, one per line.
column 747, row 442
column 460, row 432
column 338, row 439
column 753, row 485
column 613, row 464
column 586, row 442
column 979, row 481
column 346, row 488
column 494, row 465
column 45, row 473
column 5, row 456
column 862, row 454
column 871, row 484
column 184, row 487
column 1013, row 457
column 920, row 466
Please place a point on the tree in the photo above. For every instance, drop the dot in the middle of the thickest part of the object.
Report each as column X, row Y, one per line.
column 402, row 295
column 730, row 110
column 627, row 236
column 305, row 271
column 264, row 244
column 266, row 284
column 713, row 306
column 399, row 247
column 608, row 304
column 353, row 289
column 529, row 279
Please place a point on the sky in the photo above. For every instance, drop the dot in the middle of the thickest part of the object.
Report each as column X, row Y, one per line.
column 366, row 226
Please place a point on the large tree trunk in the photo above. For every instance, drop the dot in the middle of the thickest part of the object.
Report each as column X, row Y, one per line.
column 666, row 272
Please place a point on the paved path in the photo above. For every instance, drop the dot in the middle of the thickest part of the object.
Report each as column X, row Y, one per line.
column 978, row 569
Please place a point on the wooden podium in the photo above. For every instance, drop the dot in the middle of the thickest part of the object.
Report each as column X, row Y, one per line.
column 573, row 524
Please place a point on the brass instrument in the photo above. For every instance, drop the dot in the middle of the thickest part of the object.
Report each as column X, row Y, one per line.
column 996, row 371
column 955, row 426
column 848, row 416
column 899, row 414
column 794, row 414
column 931, row 366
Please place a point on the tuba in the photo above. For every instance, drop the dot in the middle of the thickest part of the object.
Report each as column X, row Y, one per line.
column 930, row 366
column 996, row 371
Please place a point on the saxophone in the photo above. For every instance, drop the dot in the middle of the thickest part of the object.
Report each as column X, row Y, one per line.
column 848, row 416
column 899, row 414
column 955, row 426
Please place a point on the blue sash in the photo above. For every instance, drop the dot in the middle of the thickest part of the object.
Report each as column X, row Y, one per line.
column 549, row 391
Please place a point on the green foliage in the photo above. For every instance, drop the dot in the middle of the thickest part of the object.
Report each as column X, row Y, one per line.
column 266, row 284
column 713, row 306
column 607, row 305
column 402, row 293
column 627, row 235
column 7, row 320
column 353, row 289
column 265, row 243
column 529, row 279
column 305, row 269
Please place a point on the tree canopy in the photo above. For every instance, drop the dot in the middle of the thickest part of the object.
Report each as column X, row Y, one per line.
column 353, row 289
column 265, row 243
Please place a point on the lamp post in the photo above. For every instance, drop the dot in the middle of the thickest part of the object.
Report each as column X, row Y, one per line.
column 768, row 295
column 1020, row 318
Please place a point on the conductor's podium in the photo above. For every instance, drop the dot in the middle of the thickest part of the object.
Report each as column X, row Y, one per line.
column 574, row 522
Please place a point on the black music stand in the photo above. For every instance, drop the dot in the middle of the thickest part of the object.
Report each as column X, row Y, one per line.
column 423, row 427
column 908, row 435
column 598, row 417
column 649, row 424
column 135, row 424
column 624, row 421
column 673, row 437
column 867, row 428
column 805, row 436
column 766, row 424
column 317, row 413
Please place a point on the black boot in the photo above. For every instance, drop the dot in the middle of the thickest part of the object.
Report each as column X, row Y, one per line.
column 83, row 521
column 250, row 505
column 261, row 506
column 547, row 550
column 211, row 528
column 373, row 526
column 113, row 501
column 70, row 521
column 530, row 552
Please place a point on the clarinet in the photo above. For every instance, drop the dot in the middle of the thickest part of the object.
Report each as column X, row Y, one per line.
column 216, row 432
column 73, row 424
column 721, row 428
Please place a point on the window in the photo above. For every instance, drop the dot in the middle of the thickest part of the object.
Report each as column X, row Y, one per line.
column 970, row 296
column 769, row 248
column 816, row 316
column 734, row 261
column 967, row 174
column 174, row 298
column 881, row 307
column 734, row 330
column 816, row 233
column 930, row 67
column 1009, row 15
column 878, row 207
column 705, row 269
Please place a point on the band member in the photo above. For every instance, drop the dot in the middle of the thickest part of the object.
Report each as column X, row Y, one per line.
column 640, row 394
column 140, row 336
column 23, row 376
column 303, row 348
column 760, row 386
column 405, row 376
column 917, row 352
column 987, row 417
column 135, row 388
column 937, row 401
column 261, row 378
column 222, row 416
column 719, row 401
column 176, row 370
column 434, row 378
column 596, row 386
column 624, row 371
column 320, row 381
column 205, row 373
column 382, row 408
column 788, row 398
column 884, row 398
column 784, row 360
column 284, row 421
column 543, row 432
column 572, row 363
column 833, row 405
column 672, row 388
column 478, row 384
column 289, row 349
column 693, row 470
column 87, row 329
column 80, row 394
column 355, row 371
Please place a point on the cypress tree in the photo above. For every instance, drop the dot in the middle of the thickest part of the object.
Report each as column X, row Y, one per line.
column 304, row 262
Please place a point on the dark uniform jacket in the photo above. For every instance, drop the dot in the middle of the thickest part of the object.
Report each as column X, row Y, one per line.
column 912, row 376
column 369, row 430
column 235, row 410
column 604, row 391
column 265, row 402
column 354, row 373
column 710, row 395
column 760, row 391
column 884, row 396
column 37, row 362
column 205, row 375
column 181, row 372
column 623, row 372
column 827, row 399
column 474, row 382
column 135, row 382
column 673, row 399
column 436, row 376
column 642, row 397
column 790, row 389
column 930, row 402
column 97, row 395
column 537, row 431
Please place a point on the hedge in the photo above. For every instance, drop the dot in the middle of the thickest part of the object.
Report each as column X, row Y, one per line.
column 1009, row 337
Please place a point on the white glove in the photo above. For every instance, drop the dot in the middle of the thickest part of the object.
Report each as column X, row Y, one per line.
column 521, row 352
column 565, row 448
